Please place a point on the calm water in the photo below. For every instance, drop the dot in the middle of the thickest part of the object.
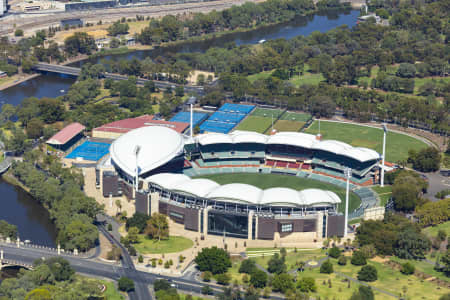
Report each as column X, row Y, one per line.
column 19, row 208
column 32, row 220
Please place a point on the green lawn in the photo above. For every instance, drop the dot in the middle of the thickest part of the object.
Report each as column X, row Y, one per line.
column 267, row 112
column 397, row 144
column 423, row 266
column 111, row 292
column 298, row 117
column 418, row 82
column 384, row 193
column 307, row 78
column 255, row 123
column 171, row 245
column 292, row 257
column 265, row 181
column 395, row 282
column 433, row 230
column 285, row 125
column 259, row 76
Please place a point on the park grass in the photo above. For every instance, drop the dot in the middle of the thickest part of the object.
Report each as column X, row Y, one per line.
column 259, row 76
column 267, row 112
column 171, row 245
column 265, row 181
column 422, row 266
column 285, row 125
column 8, row 79
column 292, row 257
column 384, row 193
column 307, row 78
column 183, row 297
column 234, row 270
column 255, row 123
column 397, row 144
column 433, row 230
column 297, row 117
column 395, row 282
column 111, row 292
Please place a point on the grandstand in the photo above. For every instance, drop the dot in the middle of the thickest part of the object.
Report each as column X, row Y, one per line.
column 226, row 118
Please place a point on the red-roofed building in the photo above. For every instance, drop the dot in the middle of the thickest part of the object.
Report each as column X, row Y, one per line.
column 115, row 129
column 67, row 136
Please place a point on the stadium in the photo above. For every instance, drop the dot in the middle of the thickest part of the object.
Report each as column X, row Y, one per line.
column 157, row 167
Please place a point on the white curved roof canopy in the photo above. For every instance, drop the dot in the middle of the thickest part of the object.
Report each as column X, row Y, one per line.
column 241, row 136
column 243, row 193
column 297, row 139
column 214, row 138
column 198, row 187
column 158, row 145
column 237, row 192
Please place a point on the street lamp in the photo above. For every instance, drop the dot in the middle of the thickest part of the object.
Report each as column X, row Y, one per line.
column 137, row 149
column 383, row 155
column 348, row 175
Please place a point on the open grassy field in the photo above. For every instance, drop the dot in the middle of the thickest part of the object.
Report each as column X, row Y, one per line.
column 293, row 257
column 384, row 193
column 265, row 181
column 397, row 144
column 297, row 117
column 111, row 292
column 395, row 282
column 307, row 78
column 424, row 267
column 171, row 245
column 285, row 125
column 255, row 123
column 433, row 230
column 267, row 112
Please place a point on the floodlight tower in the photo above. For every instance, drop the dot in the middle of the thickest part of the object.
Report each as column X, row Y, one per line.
column 137, row 149
column 192, row 121
column 348, row 175
column 383, row 155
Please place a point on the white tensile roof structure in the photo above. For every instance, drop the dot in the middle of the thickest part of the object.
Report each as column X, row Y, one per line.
column 158, row 145
column 243, row 193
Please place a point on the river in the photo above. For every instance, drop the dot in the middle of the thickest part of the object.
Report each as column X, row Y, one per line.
column 19, row 208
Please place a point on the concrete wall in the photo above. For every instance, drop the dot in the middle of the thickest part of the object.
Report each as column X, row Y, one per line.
column 335, row 226
column 267, row 227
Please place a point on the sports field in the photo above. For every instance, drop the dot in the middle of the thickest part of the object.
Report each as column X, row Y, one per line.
column 266, row 112
column 298, row 117
column 265, row 181
column 397, row 144
column 255, row 123
column 285, row 125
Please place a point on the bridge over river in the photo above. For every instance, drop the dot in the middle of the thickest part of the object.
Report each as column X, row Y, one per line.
column 74, row 71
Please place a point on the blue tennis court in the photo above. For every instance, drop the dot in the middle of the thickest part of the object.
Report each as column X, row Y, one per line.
column 89, row 151
column 237, row 108
column 185, row 117
column 226, row 118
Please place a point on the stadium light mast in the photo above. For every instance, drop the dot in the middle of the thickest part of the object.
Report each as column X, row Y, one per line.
column 192, row 120
column 137, row 149
column 348, row 174
column 383, row 155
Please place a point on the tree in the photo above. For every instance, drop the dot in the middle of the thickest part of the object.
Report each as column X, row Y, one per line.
column 223, row 279
column 118, row 205
column 133, row 235
column 342, row 261
column 258, row 278
column 446, row 262
column 59, row 267
column 8, row 230
column 78, row 235
column 412, row 245
column 406, row 70
column 441, row 235
column 39, row 294
column 426, row 160
column 35, row 128
column 358, row 258
column 433, row 213
column 18, row 32
column 118, row 28
column 79, row 42
column 207, row 290
column 407, row 268
column 334, row 252
column 368, row 273
column 326, row 267
column 369, row 251
column 207, row 276
column 138, row 220
column 157, row 227
column 276, row 264
column 213, row 259
column 125, row 284
column 282, row 282
column 247, row 266
column 307, row 284
column 363, row 293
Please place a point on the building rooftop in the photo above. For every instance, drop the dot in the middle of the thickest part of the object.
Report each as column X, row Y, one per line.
column 66, row 134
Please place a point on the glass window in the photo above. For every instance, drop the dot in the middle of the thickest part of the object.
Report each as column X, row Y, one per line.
column 286, row 227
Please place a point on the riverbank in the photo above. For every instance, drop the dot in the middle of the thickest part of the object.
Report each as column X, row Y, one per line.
column 12, row 180
column 17, row 79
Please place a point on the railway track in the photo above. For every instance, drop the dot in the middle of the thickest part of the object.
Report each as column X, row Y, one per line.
column 28, row 22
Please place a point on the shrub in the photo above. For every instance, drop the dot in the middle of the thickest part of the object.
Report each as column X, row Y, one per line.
column 223, row 279
column 368, row 273
column 407, row 268
column 126, row 284
column 110, row 227
column 358, row 258
column 334, row 252
column 342, row 261
column 369, row 251
column 18, row 32
column 140, row 259
column 326, row 267
column 167, row 265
